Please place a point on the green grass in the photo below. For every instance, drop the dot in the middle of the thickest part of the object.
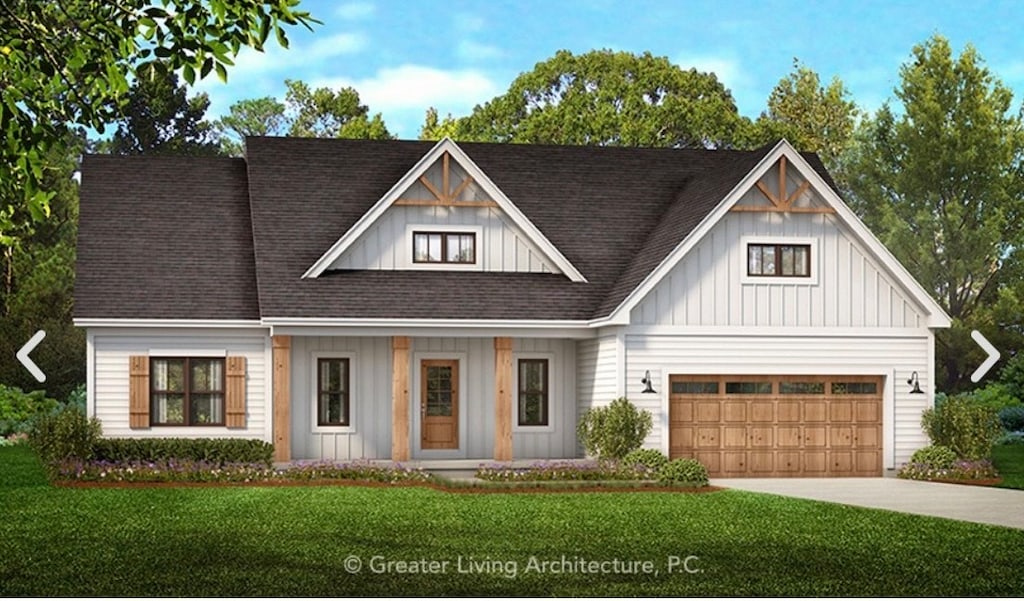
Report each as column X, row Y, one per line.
column 1009, row 462
column 281, row 541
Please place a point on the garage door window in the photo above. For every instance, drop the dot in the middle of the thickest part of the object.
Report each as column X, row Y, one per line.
column 801, row 388
column 854, row 388
column 748, row 388
column 694, row 387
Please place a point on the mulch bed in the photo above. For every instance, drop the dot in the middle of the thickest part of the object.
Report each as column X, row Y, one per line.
column 985, row 482
column 459, row 489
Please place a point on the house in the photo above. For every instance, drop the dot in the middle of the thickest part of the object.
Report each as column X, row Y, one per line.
column 410, row 300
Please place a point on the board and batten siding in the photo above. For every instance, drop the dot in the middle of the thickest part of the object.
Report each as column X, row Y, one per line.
column 893, row 357
column 369, row 436
column 706, row 287
column 109, row 387
column 501, row 247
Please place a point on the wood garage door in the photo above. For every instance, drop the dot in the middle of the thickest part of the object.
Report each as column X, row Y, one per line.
column 764, row 426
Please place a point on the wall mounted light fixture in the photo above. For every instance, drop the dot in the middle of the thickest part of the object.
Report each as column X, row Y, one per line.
column 916, row 383
column 646, row 381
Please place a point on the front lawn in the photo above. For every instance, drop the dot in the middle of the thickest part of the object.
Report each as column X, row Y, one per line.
column 336, row 541
column 1009, row 462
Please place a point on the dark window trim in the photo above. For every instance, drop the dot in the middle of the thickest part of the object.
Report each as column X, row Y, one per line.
column 346, row 394
column 187, row 391
column 444, row 247
column 522, row 391
column 778, row 260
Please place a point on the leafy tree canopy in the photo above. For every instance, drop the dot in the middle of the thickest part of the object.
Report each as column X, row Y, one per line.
column 608, row 98
column 69, row 62
column 941, row 182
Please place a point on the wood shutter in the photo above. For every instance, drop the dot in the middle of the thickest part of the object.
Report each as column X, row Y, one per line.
column 235, row 393
column 138, row 391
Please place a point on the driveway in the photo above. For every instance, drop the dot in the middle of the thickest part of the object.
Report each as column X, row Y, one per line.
column 998, row 506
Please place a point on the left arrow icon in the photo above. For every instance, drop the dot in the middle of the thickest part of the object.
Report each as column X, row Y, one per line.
column 23, row 357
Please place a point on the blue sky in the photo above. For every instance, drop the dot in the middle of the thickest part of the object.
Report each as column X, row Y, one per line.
column 405, row 56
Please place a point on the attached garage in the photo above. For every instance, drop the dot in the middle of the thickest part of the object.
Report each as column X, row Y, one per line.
column 772, row 426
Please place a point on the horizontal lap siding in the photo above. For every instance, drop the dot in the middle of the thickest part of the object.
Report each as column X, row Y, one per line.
column 664, row 355
column 111, row 381
column 597, row 374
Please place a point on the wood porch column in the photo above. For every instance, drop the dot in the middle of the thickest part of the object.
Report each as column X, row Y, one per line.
column 400, row 398
column 282, row 359
column 503, row 398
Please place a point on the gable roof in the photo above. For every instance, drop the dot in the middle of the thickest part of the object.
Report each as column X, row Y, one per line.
column 165, row 238
column 433, row 155
column 616, row 216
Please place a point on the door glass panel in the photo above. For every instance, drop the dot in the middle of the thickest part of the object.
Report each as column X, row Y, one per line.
column 748, row 387
column 801, row 388
column 439, row 391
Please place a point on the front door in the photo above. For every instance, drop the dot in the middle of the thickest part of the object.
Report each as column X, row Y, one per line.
column 439, row 404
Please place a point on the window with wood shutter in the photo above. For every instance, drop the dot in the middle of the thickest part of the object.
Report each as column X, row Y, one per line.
column 186, row 391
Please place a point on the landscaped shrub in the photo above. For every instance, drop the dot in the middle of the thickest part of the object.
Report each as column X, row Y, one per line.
column 210, row 450
column 67, row 433
column 967, row 428
column 683, row 471
column 18, row 409
column 1012, row 418
column 77, row 397
column 994, row 396
column 962, row 469
column 936, row 456
column 614, row 431
column 554, row 471
column 651, row 458
column 173, row 470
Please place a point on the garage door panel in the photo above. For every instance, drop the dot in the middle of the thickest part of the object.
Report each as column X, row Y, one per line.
column 761, row 463
column 709, row 411
column 735, row 437
column 762, row 436
column 708, row 438
column 815, row 412
column 778, row 426
column 762, row 412
column 788, row 437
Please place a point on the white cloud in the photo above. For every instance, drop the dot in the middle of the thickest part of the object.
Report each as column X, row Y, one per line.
column 353, row 11
column 729, row 71
column 469, row 50
column 417, row 86
column 468, row 23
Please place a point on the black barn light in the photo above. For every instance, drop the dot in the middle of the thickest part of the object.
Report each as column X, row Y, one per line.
column 646, row 381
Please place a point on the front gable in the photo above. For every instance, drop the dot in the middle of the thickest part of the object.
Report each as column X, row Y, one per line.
column 445, row 214
column 842, row 275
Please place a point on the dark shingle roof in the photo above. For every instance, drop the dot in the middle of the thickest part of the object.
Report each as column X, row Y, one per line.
column 164, row 238
column 615, row 213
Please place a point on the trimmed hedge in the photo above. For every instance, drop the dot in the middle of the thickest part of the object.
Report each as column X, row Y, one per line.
column 219, row 451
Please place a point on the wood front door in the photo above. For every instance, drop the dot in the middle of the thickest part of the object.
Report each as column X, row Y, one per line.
column 439, row 404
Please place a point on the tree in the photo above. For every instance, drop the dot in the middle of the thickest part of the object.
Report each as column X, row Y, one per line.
column 325, row 113
column 252, row 117
column 305, row 113
column 812, row 117
column 68, row 63
column 161, row 119
column 608, row 98
column 941, row 182
column 435, row 128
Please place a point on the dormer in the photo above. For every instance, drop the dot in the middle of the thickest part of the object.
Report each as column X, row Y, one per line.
column 445, row 214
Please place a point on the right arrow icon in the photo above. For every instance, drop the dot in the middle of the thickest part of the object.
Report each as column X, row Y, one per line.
column 993, row 356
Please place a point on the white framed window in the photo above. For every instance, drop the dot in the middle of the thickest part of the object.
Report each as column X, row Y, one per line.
column 779, row 260
column 534, row 392
column 444, row 247
column 332, row 386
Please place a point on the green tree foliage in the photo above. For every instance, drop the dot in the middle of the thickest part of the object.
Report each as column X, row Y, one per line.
column 814, row 118
column 435, row 128
column 68, row 63
column 608, row 98
column 160, row 118
column 940, row 182
column 305, row 113
column 251, row 117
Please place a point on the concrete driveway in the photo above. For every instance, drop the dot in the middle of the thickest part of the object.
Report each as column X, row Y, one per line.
column 998, row 506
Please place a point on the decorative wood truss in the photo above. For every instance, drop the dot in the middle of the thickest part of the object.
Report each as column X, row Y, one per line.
column 447, row 196
column 781, row 202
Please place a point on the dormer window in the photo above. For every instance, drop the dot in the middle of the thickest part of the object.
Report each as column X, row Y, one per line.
column 444, row 247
